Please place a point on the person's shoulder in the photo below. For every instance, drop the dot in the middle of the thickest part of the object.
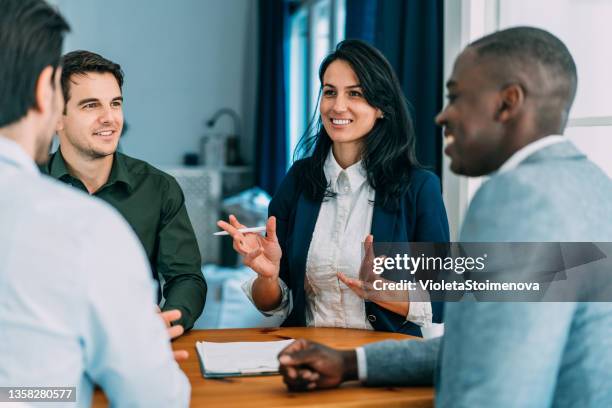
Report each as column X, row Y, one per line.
column 140, row 167
column 298, row 166
column 577, row 173
column 420, row 177
column 511, row 208
column 142, row 170
column 506, row 188
column 289, row 189
column 423, row 183
column 44, row 192
column 74, row 204
column 67, row 211
column 291, row 180
column 557, row 185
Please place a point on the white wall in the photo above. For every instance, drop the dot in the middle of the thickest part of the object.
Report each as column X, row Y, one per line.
column 182, row 61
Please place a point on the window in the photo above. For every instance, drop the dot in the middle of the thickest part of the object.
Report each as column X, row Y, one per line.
column 465, row 21
column 583, row 25
column 316, row 27
column 297, row 95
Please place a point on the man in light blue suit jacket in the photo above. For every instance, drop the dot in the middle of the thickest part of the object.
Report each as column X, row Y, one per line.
column 509, row 98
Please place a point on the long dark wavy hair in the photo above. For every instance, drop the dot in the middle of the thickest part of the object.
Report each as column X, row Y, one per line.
column 388, row 152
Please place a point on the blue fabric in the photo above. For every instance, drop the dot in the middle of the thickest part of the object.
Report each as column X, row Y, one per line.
column 361, row 20
column 410, row 35
column 421, row 217
column 271, row 138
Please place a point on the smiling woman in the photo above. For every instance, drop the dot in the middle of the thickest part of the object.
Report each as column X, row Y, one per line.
column 346, row 115
column 358, row 180
column 358, row 83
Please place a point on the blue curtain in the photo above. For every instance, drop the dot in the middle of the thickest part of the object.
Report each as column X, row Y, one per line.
column 271, row 139
column 361, row 19
column 410, row 34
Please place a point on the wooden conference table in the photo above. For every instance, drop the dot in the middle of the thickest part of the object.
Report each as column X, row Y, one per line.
column 271, row 391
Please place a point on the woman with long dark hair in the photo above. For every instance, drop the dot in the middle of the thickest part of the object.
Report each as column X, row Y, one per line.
column 358, row 179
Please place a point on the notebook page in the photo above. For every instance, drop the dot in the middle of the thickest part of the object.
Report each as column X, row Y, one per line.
column 240, row 357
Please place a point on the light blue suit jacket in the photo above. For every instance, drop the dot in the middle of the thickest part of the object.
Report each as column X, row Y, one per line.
column 520, row 354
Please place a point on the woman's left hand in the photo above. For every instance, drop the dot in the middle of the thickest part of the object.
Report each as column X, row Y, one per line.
column 363, row 286
column 356, row 285
column 395, row 301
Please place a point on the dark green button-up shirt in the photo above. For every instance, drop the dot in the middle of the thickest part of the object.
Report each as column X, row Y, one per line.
column 153, row 204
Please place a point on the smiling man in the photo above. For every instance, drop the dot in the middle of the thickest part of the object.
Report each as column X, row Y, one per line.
column 150, row 200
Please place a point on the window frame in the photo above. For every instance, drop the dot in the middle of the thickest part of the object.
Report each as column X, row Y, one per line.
column 477, row 18
column 300, row 114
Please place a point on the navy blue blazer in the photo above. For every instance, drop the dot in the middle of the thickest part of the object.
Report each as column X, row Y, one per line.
column 421, row 217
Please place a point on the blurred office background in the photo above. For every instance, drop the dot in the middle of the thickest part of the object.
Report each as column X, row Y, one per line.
column 252, row 67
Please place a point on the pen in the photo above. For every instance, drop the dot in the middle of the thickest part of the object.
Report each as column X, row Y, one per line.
column 252, row 229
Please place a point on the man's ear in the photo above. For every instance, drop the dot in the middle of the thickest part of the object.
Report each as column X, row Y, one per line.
column 44, row 90
column 60, row 124
column 512, row 99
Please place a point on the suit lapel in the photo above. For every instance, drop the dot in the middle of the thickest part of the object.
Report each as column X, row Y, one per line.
column 305, row 221
column 383, row 224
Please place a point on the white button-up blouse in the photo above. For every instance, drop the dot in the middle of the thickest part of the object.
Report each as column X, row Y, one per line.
column 342, row 225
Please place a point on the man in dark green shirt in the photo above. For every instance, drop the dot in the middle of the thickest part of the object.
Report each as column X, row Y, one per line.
column 150, row 200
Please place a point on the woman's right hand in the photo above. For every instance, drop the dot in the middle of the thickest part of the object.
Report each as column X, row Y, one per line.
column 261, row 254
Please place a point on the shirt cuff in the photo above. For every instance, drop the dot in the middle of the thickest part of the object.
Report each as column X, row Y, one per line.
column 284, row 307
column 419, row 311
column 420, row 314
column 362, row 365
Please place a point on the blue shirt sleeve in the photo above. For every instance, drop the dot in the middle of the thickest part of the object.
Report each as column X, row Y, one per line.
column 127, row 349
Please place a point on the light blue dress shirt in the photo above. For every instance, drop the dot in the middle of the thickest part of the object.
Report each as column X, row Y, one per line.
column 64, row 319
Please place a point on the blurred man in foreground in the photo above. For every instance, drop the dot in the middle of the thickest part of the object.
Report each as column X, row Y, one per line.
column 65, row 322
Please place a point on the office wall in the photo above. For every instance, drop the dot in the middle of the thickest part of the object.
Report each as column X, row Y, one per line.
column 182, row 60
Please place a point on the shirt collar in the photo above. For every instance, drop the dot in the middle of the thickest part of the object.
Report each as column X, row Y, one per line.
column 528, row 150
column 57, row 166
column 355, row 174
column 119, row 172
column 11, row 152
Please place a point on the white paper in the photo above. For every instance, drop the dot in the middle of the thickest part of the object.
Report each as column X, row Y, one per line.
column 240, row 357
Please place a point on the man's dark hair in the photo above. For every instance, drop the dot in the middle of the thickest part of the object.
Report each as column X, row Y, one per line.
column 532, row 50
column 31, row 37
column 81, row 62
